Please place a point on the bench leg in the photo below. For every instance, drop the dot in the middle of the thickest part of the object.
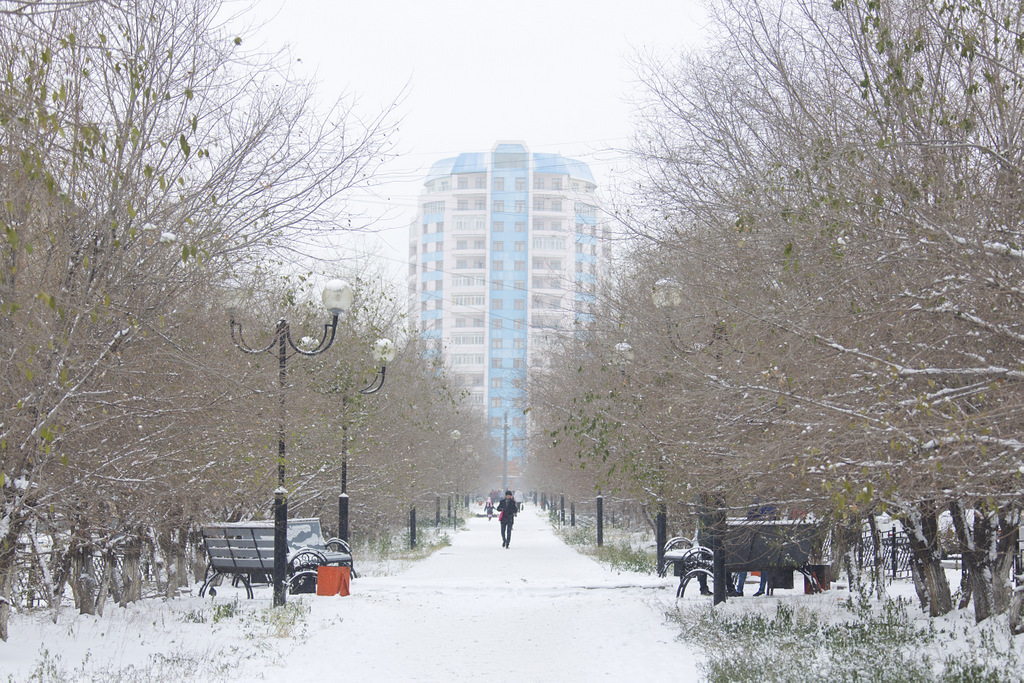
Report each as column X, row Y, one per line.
column 211, row 582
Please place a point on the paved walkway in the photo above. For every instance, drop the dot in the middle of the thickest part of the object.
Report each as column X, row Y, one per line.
column 475, row 609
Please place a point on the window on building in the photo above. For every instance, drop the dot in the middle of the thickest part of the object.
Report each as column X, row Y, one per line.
column 520, row 265
column 556, row 183
column 481, row 182
column 462, row 205
column 499, row 226
column 478, row 263
column 479, row 243
column 496, row 364
column 520, row 184
column 538, row 183
column 520, row 285
column 496, row 402
column 496, row 343
column 497, row 265
column 495, row 383
column 520, row 206
column 499, row 206
column 538, row 203
column 520, row 246
column 538, row 225
column 463, row 183
column 497, row 305
column 519, row 304
column 461, row 244
column 496, row 323
column 556, row 226
column 497, row 284
column 461, row 263
column 556, row 204
column 499, row 184
column 495, row 422
column 520, row 226
column 519, row 325
column 519, row 344
column 498, row 245
column 480, row 204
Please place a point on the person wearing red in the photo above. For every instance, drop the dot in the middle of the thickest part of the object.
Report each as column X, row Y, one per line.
column 507, row 509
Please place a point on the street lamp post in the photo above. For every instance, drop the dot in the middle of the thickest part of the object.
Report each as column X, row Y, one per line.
column 384, row 351
column 667, row 294
column 337, row 297
column 504, row 455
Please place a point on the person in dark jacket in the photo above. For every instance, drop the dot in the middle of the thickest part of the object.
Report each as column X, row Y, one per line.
column 507, row 509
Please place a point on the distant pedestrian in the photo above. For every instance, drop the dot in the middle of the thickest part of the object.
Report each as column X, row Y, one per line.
column 489, row 509
column 518, row 496
column 507, row 509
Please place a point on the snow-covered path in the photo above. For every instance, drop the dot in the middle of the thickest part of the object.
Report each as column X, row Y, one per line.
column 536, row 609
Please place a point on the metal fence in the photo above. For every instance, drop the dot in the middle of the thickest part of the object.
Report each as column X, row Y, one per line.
column 893, row 551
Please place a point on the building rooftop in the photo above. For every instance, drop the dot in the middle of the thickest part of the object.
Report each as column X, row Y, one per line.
column 476, row 162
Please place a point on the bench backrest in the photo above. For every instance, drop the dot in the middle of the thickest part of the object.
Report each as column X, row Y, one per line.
column 756, row 545
column 250, row 545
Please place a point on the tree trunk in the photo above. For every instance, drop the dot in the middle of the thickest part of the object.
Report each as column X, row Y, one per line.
column 83, row 582
column 877, row 574
column 965, row 542
column 849, row 535
column 131, row 571
column 922, row 528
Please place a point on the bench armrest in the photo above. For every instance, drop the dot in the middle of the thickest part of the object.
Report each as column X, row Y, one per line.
column 679, row 542
column 338, row 545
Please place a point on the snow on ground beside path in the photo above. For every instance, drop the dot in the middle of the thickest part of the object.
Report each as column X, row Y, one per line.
column 535, row 609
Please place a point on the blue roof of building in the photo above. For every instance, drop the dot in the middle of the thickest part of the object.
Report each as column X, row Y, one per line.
column 467, row 162
column 556, row 163
column 476, row 162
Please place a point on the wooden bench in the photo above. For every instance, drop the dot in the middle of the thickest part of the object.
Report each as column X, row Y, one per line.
column 778, row 547
column 245, row 552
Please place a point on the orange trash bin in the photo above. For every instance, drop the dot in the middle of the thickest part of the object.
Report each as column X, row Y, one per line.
column 332, row 580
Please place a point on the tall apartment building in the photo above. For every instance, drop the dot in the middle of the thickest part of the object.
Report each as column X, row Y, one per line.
column 504, row 256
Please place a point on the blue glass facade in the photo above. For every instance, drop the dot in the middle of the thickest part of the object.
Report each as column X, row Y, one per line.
column 503, row 254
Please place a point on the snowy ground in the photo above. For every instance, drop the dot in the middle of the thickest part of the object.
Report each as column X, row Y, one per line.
column 474, row 609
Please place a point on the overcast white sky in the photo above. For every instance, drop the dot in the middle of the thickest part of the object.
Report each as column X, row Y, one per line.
column 554, row 74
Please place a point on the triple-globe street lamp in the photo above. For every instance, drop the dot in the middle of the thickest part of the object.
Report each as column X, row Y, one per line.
column 337, row 298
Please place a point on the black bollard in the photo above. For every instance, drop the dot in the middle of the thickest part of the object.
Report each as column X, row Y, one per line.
column 561, row 507
column 412, row 528
column 572, row 514
column 661, row 536
column 600, row 521
column 343, row 517
column 437, row 513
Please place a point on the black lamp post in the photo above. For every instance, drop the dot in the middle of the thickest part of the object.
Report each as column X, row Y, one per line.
column 384, row 351
column 668, row 293
column 337, row 297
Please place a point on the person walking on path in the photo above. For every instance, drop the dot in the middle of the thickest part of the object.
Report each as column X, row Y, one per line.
column 507, row 510
column 489, row 509
column 518, row 496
